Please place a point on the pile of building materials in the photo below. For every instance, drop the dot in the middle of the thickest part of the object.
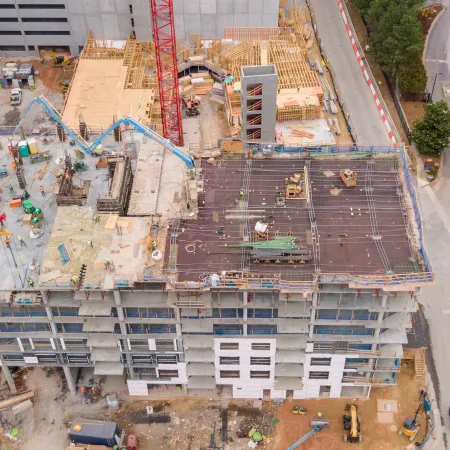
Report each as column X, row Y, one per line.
column 18, row 404
column 196, row 84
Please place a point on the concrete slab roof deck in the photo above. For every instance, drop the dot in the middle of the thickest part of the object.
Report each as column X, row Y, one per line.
column 23, row 262
column 360, row 230
column 125, row 246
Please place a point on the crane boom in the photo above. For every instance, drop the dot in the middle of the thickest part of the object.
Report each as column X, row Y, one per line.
column 127, row 121
column 304, row 438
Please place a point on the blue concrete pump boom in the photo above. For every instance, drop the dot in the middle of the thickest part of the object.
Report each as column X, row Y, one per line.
column 127, row 121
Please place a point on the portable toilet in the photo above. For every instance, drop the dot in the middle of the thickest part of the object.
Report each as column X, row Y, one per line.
column 24, row 151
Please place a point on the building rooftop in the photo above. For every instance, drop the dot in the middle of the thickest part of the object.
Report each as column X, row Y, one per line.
column 357, row 230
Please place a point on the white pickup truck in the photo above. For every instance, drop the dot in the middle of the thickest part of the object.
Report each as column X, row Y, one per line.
column 16, row 96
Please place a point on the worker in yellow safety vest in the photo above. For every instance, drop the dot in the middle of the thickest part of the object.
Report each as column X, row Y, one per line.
column 74, row 279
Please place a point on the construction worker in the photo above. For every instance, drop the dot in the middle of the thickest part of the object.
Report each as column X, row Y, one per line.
column 319, row 414
column 8, row 241
column 20, row 239
column 107, row 263
column 74, row 280
column 96, row 219
column 90, row 244
column 41, row 188
column 241, row 193
column 11, row 189
column 153, row 244
column 30, row 282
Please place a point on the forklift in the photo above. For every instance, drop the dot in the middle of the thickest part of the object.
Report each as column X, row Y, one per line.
column 352, row 425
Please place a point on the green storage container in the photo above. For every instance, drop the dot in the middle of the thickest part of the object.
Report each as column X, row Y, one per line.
column 23, row 149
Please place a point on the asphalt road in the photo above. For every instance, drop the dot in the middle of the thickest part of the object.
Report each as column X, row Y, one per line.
column 437, row 54
column 434, row 201
column 353, row 88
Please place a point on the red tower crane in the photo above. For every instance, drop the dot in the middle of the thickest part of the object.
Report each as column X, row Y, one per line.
column 166, row 64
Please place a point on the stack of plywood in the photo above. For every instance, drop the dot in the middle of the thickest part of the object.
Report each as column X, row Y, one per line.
column 196, row 84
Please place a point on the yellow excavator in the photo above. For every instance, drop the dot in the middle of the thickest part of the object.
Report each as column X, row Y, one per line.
column 352, row 425
column 58, row 61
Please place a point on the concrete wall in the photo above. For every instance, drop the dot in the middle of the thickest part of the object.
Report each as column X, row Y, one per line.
column 210, row 17
column 267, row 77
column 112, row 19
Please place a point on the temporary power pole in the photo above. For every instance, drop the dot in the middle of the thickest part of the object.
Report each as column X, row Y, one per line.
column 167, row 69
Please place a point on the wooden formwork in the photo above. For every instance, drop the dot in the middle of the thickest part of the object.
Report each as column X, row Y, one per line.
column 250, row 34
column 288, row 57
column 298, row 113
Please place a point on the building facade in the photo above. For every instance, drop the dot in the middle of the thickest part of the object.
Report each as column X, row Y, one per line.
column 27, row 26
column 337, row 341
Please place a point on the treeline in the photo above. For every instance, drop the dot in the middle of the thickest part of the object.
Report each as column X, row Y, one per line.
column 396, row 40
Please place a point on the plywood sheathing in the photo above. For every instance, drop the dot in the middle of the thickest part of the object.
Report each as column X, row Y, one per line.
column 98, row 93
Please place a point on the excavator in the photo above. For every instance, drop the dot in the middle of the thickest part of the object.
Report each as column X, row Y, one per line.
column 352, row 425
column 410, row 427
column 58, row 61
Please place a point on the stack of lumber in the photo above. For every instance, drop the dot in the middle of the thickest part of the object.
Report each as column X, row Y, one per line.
column 10, row 402
column 302, row 133
column 197, row 83
column 22, row 407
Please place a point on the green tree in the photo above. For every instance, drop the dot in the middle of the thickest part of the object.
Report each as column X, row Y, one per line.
column 432, row 133
column 397, row 37
column 413, row 77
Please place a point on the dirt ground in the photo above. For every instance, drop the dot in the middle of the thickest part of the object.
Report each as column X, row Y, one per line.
column 47, row 85
column 376, row 436
column 413, row 111
column 213, row 122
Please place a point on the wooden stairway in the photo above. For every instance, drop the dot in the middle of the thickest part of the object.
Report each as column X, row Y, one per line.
column 419, row 362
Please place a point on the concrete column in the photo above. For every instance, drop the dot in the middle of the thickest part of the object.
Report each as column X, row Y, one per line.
column 8, row 377
column 178, row 322
column 314, row 299
column 44, row 297
column 117, row 297
column 380, row 317
column 384, row 300
column 245, row 316
column 70, row 380
column 377, row 332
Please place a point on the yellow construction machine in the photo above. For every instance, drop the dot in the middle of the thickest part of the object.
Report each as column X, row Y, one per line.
column 410, row 427
column 58, row 61
column 352, row 425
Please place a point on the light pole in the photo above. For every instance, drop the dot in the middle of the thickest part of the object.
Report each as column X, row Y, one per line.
column 434, row 84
